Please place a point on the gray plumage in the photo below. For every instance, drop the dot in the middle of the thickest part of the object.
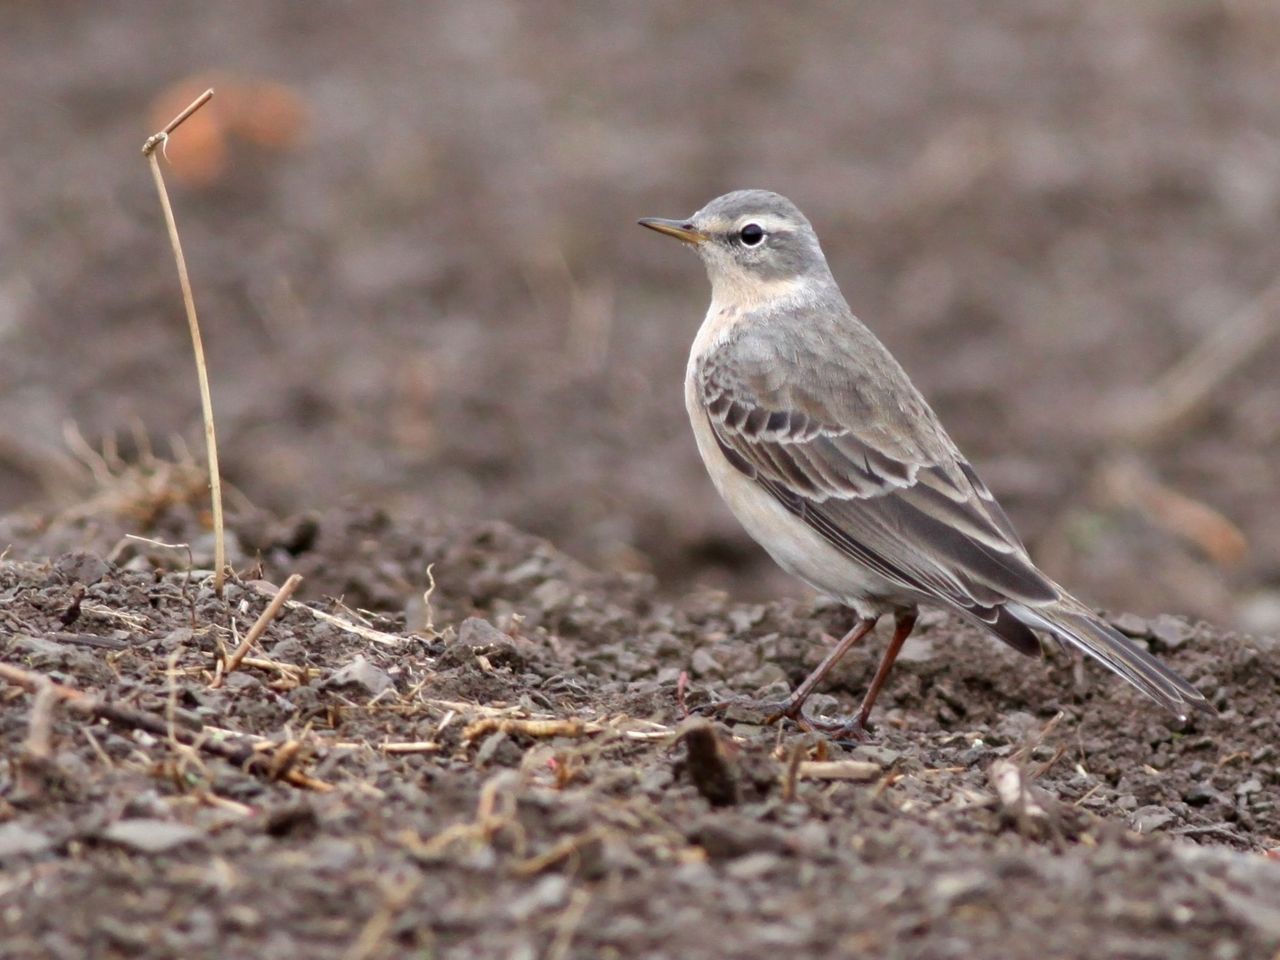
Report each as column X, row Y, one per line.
column 804, row 402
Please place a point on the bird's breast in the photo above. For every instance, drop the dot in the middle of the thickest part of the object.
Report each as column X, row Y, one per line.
column 793, row 546
column 716, row 326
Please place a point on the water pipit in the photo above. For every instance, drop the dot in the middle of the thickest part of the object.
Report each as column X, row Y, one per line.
column 830, row 457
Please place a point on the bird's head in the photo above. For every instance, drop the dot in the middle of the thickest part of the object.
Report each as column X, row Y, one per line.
column 757, row 245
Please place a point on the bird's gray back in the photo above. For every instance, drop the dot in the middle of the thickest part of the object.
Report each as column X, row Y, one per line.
column 812, row 354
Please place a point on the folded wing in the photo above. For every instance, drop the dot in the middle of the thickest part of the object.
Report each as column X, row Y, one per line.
column 884, row 486
column 852, row 449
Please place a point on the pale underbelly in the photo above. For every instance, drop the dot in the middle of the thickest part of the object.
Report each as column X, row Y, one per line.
column 792, row 544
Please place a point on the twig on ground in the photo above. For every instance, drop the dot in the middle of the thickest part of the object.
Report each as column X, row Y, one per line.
column 97, row 748
column 155, row 543
column 792, row 774
column 171, row 701
column 859, row 771
column 488, row 822
column 242, row 751
column 38, row 745
column 368, row 633
column 290, row 675
column 564, row 849
column 211, row 799
column 103, row 612
column 570, row 921
column 260, row 626
column 530, row 726
column 624, row 727
column 427, row 612
column 396, row 894
column 410, row 746
column 189, row 302
column 33, row 767
column 1015, row 797
column 86, row 640
column 1087, row 794
column 1039, row 737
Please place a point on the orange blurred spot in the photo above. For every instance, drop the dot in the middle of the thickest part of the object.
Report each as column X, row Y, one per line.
column 268, row 115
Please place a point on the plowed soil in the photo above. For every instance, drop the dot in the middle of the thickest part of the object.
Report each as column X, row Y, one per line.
column 505, row 770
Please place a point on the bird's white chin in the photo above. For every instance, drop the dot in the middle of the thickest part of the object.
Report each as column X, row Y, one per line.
column 747, row 291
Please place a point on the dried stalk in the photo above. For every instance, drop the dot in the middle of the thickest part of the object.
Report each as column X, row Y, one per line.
column 188, row 299
column 261, row 757
column 260, row 625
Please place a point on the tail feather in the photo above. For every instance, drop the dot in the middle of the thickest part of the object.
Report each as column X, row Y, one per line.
column 1073, row 624
column 1013, row 632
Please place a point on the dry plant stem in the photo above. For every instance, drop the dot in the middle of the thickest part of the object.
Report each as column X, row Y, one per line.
column 859, row 771
column 426, row 601
column 40, row 729
column 566, row 848
column 568, row 925
column 493, row 719
column 285, row 669
column 373, row 937
column 531, row 727
column 410, row 746
column 188, row 299
column 157, row 139
column 793, row 772
column 260, row 625
column 376, row 636
column 242, row 751
column 1014, row 794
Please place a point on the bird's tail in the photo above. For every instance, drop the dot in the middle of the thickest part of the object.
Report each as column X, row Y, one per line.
column 1072, row 623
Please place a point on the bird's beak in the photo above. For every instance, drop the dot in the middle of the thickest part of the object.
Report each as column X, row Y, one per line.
column 680, row 229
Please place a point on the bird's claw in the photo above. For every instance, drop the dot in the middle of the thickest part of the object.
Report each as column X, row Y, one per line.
column 767, row 712
column 851, row 730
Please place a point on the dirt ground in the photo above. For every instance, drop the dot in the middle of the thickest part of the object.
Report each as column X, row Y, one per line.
column 436, row 338
column 554, row 803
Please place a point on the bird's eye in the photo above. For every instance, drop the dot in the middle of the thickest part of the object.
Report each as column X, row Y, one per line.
column 751, row 234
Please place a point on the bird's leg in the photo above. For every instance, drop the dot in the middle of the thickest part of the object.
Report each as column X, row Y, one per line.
column 792, row 708
column 859, row 725
column 771, row 711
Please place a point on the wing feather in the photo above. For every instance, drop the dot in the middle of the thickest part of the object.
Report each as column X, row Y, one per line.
column 885, row 487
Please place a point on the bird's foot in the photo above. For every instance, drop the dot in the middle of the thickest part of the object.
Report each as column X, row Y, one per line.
column 764, row 712
column 853, row 730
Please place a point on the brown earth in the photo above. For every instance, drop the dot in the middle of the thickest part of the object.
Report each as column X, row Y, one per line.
column 428, row 313
column 551, row 807
column 1137, row 836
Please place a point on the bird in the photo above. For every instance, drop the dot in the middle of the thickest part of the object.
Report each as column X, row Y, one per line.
column 835, row 463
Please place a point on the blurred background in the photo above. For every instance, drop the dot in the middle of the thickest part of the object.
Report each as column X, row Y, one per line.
column 411, row 232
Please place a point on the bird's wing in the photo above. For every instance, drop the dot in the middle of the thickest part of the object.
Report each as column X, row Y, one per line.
column 845, row 443
column 831, row 427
